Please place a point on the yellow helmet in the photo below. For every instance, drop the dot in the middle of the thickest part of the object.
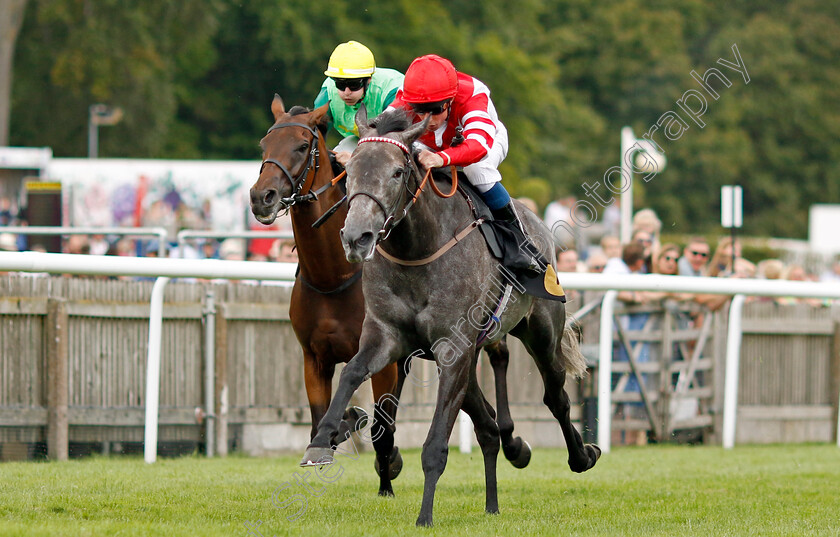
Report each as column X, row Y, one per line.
column 351, row 60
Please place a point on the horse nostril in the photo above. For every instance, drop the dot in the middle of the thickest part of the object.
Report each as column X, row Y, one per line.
column 268, row 199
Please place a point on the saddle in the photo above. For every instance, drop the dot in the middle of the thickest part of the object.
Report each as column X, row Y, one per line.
column 502, row 242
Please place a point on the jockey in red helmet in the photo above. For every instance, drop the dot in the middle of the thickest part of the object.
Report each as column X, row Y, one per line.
column 463, row 130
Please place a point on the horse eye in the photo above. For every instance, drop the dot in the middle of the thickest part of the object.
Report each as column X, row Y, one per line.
column 397, row 174
column 303, row 147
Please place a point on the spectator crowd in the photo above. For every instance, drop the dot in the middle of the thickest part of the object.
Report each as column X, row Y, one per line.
column 576, row 252
column 158, row 215
column 646, row 254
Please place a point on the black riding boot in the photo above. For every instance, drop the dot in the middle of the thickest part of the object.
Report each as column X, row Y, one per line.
column 525, row 255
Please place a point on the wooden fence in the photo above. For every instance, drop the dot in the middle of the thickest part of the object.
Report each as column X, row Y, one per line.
column 73, row 365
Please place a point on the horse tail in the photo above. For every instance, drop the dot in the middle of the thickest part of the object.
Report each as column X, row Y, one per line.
column 573, row 359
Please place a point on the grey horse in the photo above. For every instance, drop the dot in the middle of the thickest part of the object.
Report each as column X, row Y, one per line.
column 434, row 310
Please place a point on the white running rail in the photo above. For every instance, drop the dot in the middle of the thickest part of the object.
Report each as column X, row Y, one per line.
column 211, row 268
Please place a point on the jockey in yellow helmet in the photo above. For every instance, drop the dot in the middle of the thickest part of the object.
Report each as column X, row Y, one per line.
column 353, row 79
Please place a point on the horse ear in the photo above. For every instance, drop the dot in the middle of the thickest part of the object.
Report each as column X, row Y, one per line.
column 415, row 131
column 318, row 117
column 277, row 107
column 362, row 121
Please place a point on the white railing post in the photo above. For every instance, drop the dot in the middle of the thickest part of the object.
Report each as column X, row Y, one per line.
column 464, row 432
column 733, row 364
column 605, row 371
column 210, row 373
column 153, row 371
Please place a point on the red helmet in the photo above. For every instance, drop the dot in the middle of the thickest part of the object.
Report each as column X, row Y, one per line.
column 430, row 79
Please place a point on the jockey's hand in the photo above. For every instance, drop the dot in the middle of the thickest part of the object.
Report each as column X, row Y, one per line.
column 430, row 160
column 342, row 157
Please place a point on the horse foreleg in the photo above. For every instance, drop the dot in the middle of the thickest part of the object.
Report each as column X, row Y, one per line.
column 452, row 387
column 386, row 386
column 318, row 380
column 487, row 433
column 369, row 360
column 516, row 450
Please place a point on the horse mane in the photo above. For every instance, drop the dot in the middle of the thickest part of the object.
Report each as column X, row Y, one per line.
column 298, row 110
column 394, row 120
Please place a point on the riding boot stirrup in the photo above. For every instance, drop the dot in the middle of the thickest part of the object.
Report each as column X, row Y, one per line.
column 524, row 258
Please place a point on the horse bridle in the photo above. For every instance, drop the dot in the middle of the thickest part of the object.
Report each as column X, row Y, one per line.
column 391, row 218
column 298, row 182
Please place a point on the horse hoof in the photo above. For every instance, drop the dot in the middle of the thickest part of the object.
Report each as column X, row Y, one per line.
column 394, row 466
column 317, row 456
column 592, row 454
column 356, row 418
column 524, row 456
column 519, row 454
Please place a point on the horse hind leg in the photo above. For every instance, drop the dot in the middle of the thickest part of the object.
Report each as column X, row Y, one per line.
column 516, row 450
column 556, row 352
column 487, row 433
column 585, row 455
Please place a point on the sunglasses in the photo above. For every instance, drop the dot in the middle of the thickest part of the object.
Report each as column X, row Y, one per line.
column 644, row 241
column 434, row 109
column 597, row 268
column 701, row 254
column 354, row 84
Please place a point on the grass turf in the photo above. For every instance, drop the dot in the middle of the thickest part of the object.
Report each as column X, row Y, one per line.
column 652, row 490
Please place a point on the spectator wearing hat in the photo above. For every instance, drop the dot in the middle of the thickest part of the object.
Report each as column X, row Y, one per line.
column 232, row 250
column 8, row 242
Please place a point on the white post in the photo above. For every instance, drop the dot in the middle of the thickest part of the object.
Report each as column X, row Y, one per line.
column 465, row 432
column 605, row 371
column 626, row 221
column 733, row 362
column 210, row 373
column 153, row 371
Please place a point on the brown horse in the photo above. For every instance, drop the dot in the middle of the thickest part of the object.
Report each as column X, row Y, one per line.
column 327, row 306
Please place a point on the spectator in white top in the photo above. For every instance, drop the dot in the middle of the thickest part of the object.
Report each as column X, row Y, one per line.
column 833, row 273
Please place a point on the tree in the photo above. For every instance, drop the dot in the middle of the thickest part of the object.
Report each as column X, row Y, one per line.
column 135, row 56
column 11, row 18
